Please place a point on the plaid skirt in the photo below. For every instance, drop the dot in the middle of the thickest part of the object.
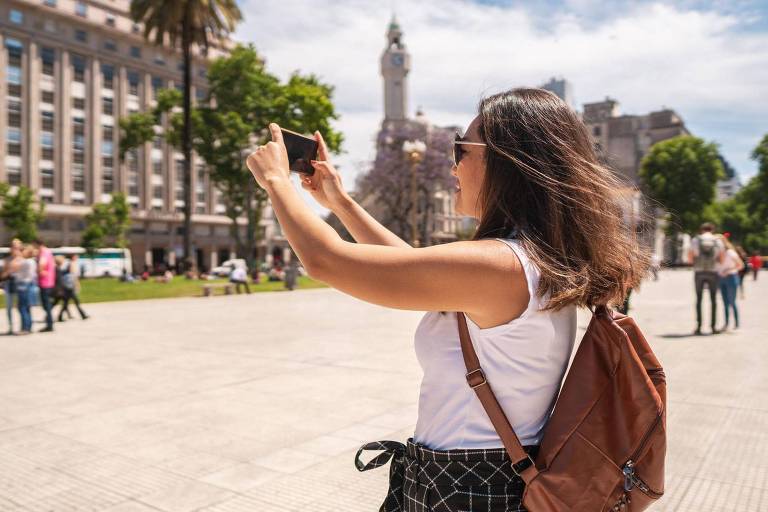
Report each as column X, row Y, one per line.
column 425, row 480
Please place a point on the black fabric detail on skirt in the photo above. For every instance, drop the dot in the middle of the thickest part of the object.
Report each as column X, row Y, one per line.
column 425, row 480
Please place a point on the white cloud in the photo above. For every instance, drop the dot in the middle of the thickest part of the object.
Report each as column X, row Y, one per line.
column 698, row 62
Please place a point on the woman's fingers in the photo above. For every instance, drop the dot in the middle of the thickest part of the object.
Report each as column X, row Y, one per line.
column 322, row 168
column 322, row 150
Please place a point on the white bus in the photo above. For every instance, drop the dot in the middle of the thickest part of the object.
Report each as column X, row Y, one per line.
column 105, row 262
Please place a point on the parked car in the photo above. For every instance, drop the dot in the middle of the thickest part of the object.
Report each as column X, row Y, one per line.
column 225, row 268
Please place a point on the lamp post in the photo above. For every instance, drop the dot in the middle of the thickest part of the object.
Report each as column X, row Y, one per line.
column 414, row 151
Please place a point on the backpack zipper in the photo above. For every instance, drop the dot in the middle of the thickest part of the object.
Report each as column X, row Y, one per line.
column 628, row 470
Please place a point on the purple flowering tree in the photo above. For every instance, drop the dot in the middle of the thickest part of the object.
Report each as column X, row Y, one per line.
column 388, row 184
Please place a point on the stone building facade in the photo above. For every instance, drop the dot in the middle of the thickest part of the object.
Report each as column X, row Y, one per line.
column 69, row 69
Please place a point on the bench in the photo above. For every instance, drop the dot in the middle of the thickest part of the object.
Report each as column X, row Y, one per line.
column 208, row 289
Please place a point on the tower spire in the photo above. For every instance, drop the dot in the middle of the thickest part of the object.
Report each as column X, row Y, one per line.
column 395, row 65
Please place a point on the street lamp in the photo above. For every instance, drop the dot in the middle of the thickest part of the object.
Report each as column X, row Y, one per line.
column 414, row 150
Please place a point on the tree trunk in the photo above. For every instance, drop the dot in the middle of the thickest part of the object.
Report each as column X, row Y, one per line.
column 186, row 138
column 253, row 216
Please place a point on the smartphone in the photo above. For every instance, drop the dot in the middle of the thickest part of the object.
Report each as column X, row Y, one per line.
column 301, row 150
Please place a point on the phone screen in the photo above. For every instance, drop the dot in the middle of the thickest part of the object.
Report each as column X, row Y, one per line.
column 301, row 150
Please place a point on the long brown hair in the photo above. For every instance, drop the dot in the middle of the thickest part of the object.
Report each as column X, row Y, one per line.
column 544, row 179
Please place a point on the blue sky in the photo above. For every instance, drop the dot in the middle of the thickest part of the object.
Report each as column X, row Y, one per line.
column 706, row 60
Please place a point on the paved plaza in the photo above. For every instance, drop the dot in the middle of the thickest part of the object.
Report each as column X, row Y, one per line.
column 257, row 403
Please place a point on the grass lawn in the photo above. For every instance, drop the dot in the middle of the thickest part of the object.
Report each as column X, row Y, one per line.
column 110, row 289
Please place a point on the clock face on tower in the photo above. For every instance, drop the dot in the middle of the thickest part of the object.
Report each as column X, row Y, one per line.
column 397, row 60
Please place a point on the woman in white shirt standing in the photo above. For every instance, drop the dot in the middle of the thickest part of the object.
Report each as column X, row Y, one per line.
column 551, row 238
column 728, row 270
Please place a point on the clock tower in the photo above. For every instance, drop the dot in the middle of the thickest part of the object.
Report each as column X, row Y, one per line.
column 395, row 65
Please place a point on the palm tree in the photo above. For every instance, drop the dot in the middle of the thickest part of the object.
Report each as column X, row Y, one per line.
column 192, row 22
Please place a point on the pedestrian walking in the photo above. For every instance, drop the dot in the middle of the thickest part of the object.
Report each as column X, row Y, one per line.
column 550, row 237
column 239, row 277
column 57, row 296
column 46, row 281
column 70, row 284
column 744, row 269
column 291, row 273
column 26, row 277
column 655, row 266
column 728, row 270
column 756, row 263
column 706, row 254
column 10, row 266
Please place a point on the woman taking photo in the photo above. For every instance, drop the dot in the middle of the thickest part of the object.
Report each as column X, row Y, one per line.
column 550, row 238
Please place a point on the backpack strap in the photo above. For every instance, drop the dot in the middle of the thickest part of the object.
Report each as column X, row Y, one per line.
column 522, row 463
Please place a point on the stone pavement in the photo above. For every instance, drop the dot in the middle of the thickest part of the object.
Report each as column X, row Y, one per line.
column 257, row 403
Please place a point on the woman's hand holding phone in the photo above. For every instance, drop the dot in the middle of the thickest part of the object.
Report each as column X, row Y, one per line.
column 325, row 184
column 270, row 161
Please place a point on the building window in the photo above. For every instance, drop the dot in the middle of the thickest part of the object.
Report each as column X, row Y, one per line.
column 48, row 56
column 13, row 175
column 157, row 142
column 132, row 161
column 157, row 191
column 159, row 59
column 78, row 68
column 81, row 35
column 47, row 97
column 13, row 138
column 16, row 17
column 107, row 179
column 47, row 120
column 81, row 9
column 13, row 70
column 596, row 131
column 107, row 106
column 157, row 167
column 46, row 178
column 78, row 178
column 107, row 144
column 157, row 84
column 108, row 74
column 78, row 103
column 107, row 133
column 135, row 52
column 110, row 19
column 14, row 113
column 133, row 83
column 110, row 45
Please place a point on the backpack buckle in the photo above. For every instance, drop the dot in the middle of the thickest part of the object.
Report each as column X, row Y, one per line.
column 521, row 466
column 476, row 378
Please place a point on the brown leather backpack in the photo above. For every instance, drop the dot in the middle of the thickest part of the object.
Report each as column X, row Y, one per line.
column 603, row 447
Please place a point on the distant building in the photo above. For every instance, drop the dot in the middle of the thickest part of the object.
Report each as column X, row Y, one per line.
column 68, row 71
column 442, row 222
column 560, row 87
column 728, row 188
column 623, row 140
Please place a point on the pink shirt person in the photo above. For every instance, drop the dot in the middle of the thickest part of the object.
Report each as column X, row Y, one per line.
column 46, row 268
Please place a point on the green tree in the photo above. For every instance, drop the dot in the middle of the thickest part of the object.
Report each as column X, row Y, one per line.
column 247, row 99
column 108, row 223
column 681, row 174
column 745, row 215
column 184, row 23
column 21, row 212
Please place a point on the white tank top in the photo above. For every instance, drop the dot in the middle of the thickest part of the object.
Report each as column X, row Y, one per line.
column 524, row 361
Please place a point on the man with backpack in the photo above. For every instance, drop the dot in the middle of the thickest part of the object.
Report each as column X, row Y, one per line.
column 705, row 255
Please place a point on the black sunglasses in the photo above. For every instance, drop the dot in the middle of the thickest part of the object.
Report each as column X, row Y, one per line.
column 458, row 151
